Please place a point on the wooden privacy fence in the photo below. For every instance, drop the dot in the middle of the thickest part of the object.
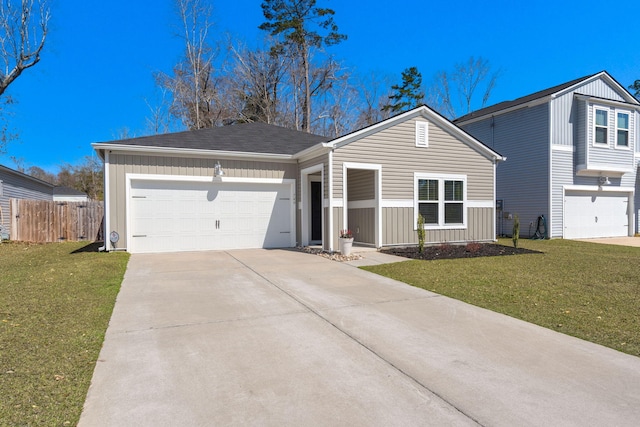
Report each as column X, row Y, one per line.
column 45, row 221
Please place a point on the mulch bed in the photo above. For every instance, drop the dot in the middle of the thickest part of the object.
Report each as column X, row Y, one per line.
column 470, row 250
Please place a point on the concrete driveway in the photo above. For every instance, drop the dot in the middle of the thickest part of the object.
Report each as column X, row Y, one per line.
column 278, row 337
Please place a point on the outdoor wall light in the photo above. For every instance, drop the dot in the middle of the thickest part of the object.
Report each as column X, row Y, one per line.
column 604, row 180
column 217, row 170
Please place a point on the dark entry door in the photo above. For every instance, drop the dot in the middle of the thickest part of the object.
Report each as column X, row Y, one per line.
column 316, row 211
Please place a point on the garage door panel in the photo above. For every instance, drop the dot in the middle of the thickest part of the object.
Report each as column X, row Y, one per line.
column 596, row 214
column 184, row 216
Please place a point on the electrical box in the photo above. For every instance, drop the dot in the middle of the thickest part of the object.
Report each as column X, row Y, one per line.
column 499, row 204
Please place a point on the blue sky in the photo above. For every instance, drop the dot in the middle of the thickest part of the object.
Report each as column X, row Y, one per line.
column 96, row 71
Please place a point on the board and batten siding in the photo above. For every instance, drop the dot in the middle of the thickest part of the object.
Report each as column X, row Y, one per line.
column 395, row 151
column 522, row 136
column 564, row 114
column 398, row 228
column 121, row 164
column 19, row 187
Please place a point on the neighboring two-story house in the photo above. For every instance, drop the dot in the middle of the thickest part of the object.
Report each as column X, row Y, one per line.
column 572, row 154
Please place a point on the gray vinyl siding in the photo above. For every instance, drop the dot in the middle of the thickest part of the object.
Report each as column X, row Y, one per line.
column 580, row 132
column 394, row 149
column 121, row 164
column 565, row 113
column 562, row 175
column 323, row 159
column 20, row 187
column 398, row 228
column 609, row 155
column 522, row 136
column 361, row 185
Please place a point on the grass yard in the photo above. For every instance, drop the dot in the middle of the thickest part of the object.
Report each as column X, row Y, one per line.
column 588, row 290
column 55, row 306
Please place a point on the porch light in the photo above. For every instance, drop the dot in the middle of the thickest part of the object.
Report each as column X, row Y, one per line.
column 217, row 170
column 604, row 180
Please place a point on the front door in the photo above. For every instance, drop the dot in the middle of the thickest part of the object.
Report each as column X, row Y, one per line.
column 316, row 211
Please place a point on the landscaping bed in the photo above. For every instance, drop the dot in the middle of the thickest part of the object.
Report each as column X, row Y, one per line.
column 446, row 251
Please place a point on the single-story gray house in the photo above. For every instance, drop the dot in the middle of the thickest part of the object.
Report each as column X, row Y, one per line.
column 262, row 186
column 18, row 185
column 67, row 194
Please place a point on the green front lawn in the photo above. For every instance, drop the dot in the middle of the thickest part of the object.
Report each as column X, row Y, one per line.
column 588, row 290
column 55, row 306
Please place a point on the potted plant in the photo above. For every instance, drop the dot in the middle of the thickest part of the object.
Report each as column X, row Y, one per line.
column 346, row 241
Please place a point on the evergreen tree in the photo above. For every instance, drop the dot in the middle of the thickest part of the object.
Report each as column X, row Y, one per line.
column 407, row 95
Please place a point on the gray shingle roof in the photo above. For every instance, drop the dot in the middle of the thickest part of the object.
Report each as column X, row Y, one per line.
column 523, row 100
column 246, row 138
column 67, row 191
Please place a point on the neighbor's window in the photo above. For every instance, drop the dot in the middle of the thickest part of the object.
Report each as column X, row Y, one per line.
column 441, row 200
column 601, row 126
column 622, row 125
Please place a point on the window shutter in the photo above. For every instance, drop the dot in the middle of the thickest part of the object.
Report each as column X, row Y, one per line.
column 422, row 134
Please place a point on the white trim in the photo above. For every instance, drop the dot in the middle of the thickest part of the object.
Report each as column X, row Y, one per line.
column 330, row 233
column 362, row 204
column 312, row 152
column 305, row 201
column 378, row 193
column 596, row 169
column 422, row 134
column 193, row 152
column 603, row 189
column 594, row 126
column 441, row 202
column 481, row 204
column 337, row 203
column 610, row 102
column 107, row 204
column 567, row 148
column 129, row 177
column 616, row 129
column 550, row 171
column 397, row 203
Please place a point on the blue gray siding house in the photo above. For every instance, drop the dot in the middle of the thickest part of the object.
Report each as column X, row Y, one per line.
column 573, row 157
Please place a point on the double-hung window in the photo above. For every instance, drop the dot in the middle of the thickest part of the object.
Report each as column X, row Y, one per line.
column 601, row 127
column 441, row 200
column 622, row 127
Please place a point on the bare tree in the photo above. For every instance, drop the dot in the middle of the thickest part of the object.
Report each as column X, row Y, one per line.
column 193, row 84
column 463, row 83
column 372, row 99
column 23, row 31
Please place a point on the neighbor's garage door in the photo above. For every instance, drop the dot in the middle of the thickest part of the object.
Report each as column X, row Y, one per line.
column 589, row 214
column 168, row 216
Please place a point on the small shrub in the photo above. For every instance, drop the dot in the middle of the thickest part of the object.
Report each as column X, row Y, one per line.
column 421, row 233
column 473, row 247
column 516, row 231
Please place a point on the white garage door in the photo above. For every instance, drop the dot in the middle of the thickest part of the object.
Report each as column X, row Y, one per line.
column 170, row 216
column 592, row 214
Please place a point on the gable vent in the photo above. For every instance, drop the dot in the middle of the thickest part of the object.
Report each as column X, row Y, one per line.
column 422, row 134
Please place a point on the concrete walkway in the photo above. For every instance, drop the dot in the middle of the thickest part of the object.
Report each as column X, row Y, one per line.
column 277, row 337
column 620, row 241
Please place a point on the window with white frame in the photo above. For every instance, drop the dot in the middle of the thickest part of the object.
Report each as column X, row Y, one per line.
column 622, row 128
column 441, row 200
column 601, row 126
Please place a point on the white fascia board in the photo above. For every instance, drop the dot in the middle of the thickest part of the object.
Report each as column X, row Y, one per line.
column 313, row 151
column 192, row 152
column 603, row 101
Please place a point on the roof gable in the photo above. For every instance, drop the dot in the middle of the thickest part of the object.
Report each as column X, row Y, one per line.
column 426, row 113
column 547, row 94
column 260, row 138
